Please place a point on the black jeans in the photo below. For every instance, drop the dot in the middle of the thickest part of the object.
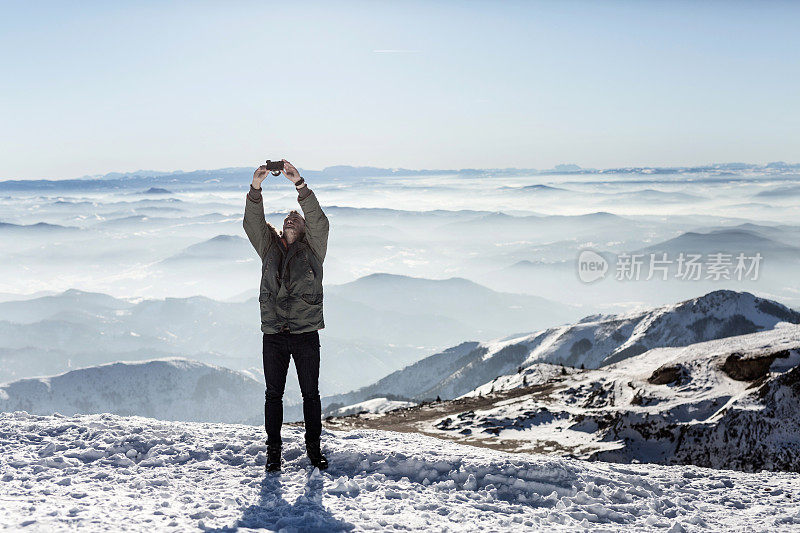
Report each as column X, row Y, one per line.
column 304, row 349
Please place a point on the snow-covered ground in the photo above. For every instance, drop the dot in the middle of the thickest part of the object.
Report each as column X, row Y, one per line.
column 374, row 405
column 105, row 472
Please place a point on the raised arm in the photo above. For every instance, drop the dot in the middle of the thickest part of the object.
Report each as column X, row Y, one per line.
column 317, row 226
column 255, row 224
column 316, row 222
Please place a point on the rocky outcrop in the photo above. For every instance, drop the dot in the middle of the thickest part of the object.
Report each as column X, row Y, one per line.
column 751, row 366
column 667, row 374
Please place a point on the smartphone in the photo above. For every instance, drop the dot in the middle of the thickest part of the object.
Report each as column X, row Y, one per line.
column 274, row 165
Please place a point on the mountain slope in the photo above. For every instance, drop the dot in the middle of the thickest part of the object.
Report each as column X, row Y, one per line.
column 484, row 310
column 729, row 240
column 421, row 375
column 730, row 403
column 595, row 341
column 227, row 248
column 167, row 389
column 40, row 308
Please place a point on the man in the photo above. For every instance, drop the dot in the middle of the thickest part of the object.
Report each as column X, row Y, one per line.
column 291, row 307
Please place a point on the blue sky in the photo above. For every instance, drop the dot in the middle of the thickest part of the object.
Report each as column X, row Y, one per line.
column 93, row 87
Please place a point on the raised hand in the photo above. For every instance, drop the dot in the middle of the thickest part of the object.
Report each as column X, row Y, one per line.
column 259, row 175
column 290, row 172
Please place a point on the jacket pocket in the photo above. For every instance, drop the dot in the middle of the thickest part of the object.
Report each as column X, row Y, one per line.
column 269, row 312
column 311, row 298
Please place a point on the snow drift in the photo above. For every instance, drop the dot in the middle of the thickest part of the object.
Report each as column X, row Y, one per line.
column 373, row 405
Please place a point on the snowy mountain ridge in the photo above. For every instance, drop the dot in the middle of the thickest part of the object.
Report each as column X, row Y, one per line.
column 596, row 342
column 593, row 342
column 731, row 403
column 168, row 389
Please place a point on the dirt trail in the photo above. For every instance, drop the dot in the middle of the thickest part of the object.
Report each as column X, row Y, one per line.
column 417, row 419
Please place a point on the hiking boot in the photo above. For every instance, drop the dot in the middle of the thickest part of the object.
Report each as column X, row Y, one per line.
column 273, row 458
column 315, row 455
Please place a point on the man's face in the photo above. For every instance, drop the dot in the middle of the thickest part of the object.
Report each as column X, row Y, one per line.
column 293, row 227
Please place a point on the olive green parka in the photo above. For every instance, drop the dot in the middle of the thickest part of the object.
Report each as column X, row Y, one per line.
column 290, row 295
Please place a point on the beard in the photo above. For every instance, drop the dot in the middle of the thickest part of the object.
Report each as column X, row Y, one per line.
column 291, row 235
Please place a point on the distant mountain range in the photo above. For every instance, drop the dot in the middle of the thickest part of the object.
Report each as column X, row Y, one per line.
column 475, row 309
column 39, row 227
column 374, row 325
column 730, row 240
column 222, row 247
column 148, row 179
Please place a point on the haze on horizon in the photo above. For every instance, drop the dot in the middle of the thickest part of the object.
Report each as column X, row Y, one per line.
column 111, row 87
